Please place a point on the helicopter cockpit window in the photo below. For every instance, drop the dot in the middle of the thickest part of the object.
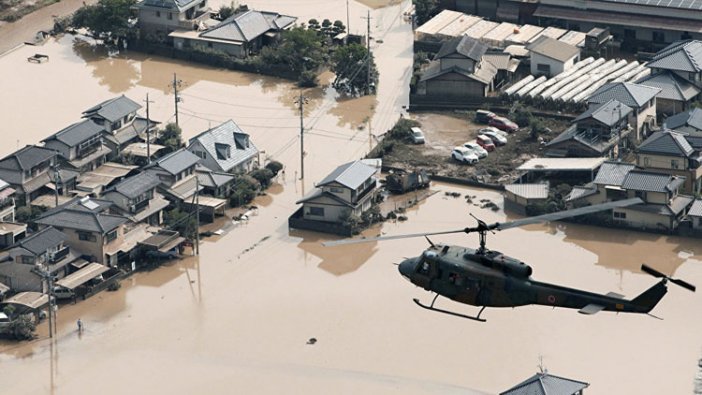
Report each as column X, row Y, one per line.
column 424, row 268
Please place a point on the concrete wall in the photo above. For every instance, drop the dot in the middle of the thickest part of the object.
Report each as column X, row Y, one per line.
column 453, row 84
column 234, row 49
column 645, row 220
column 332, row 213
column 343, row 193
column 65, row 150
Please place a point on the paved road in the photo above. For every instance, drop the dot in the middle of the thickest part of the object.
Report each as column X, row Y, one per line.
column 15, row 33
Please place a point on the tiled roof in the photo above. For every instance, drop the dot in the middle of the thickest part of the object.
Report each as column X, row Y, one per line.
column 528, row 191
column 351, row 175
column 247, row 26
column 485, row 73
column 212, row 179
column 227, row 144
column 552, row 48
column 176, row 161
column 113, row 109
column 579, row 192
column 609, row 113
column 681, row 56
column 692, row 118
column 638, row 180
column 26, row 158
column 613, row 173
column 666, row 142
column 633, row 95
column 136, row 185
column 76, row 133
column 42, row 240
column 696, row 208
column 463, row 45
column 671, row 85
column 82, row 214
column 546, row 384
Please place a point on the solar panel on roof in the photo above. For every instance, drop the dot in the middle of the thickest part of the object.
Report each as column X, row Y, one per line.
column 684, row 4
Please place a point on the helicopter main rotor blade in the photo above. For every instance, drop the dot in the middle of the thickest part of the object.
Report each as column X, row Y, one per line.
column 568, row 213
column 370, row 239
column 655, row 273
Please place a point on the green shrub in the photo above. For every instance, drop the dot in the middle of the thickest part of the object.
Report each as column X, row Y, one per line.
column 274, row 166
column 263, row 176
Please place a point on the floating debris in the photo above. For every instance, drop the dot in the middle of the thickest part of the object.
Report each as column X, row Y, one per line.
column 312, row 341
column 402, row 218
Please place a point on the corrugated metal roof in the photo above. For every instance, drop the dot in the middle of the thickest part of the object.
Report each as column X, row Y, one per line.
column 639, row 180
column 528, row 191
column 82, row 276
column 114, row 109
column 613, row 173
column 671, row 85
column 609, row 113
column 227, row 144
column 546, row 384
column 553, row 49
column 680, row 56
column 481, row 28
column 694, row 5
column 666, row 142
column 440, row 21
column 556, row 164
column 633, row 95
column 579, row 192
column 696, row 208
column 27, row 157
column 458, row 26
column 464, row 45
column 551, row 31
column 351, row 175
column 692, row 118
column 77, row 133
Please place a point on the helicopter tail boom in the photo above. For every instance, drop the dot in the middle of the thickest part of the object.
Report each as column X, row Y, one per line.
column 650, row 298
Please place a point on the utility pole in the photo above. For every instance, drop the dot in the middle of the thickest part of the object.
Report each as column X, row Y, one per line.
column 50, row 293
column 197, row 215
column 175, row 85
column 368, row 56
column 301, row 105
column 148, row 128
column 57, row 181
column 348, row 30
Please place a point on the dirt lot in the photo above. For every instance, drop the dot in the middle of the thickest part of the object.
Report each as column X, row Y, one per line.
column 445, row 130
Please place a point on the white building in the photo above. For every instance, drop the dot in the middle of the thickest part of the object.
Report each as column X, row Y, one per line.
column 551, row 57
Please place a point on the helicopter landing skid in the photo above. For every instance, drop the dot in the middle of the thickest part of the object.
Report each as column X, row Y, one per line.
column 432, row 308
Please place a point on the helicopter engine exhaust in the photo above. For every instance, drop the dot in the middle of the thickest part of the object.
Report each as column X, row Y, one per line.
column 507, row 265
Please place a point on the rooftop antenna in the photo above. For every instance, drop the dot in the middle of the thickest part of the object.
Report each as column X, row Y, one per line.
column 542, row 368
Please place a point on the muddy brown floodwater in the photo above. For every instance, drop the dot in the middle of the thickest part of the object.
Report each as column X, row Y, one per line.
column 237, row 318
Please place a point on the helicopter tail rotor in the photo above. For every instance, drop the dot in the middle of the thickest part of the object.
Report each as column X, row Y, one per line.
column 655, row 273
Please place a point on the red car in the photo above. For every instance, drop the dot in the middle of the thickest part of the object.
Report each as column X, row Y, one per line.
column 485, row 142
column 505, row 124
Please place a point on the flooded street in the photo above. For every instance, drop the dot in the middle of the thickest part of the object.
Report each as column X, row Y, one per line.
column 237, row 318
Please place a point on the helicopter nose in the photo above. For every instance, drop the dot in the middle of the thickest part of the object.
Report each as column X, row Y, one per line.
column 406, row 267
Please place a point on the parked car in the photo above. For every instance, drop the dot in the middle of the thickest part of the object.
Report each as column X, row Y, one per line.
column 493, row 129
column 417, row 136
column 63, row 293
column 496, row 138
column 477, row 149
column 505, row 124
column 464, row 155
column 485, row 142
column 484, row 116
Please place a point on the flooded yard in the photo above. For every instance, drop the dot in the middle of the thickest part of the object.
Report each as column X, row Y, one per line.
column 239, row 317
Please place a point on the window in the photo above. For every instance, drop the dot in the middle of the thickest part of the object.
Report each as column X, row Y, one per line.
column 629, row 34
column 317, row 211
column 336, row 190
column 618, row 215
column 209, row 45
column 658, row 37
column 86, row 236
column 641, row 195
column 543, row 68
column 647, row 162
column 27, row 259
column 158, row 14
column 170, row 16
column 111, row 235
column 674, row 164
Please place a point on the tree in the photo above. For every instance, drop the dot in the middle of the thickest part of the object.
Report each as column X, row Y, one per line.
column 349, row 63
column 226, row 11
column 108, row 19
column 181, row 221
column 274, row 166
column 425, row 9
column 171, row 137
column 338, row 27
column 263, row 176
column 326, row 26
column 298, row 49
column 313, row 24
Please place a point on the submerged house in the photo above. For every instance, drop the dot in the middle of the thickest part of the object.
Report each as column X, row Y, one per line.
column 225, row 148
column 347, row 191
column 158, row 18
column 669, row 152
column 136, row 198
column 28, row 171
column 79, row 146
column 239, row 35
column 599, row 131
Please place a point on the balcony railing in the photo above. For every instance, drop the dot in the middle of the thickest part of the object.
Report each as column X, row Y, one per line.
column 135, row 208
column 58, row 255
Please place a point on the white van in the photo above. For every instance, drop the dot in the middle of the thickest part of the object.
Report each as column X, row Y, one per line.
column 417, row 136
column 63, row 293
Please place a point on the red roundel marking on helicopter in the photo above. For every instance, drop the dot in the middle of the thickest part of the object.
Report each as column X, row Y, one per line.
column 551, row 299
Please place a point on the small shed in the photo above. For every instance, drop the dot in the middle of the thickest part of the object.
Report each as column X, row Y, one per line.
column 576, row 166
column 519, row 196
column 551, row 57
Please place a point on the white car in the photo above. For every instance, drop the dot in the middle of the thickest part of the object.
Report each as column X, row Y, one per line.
column 477, row 149
column 493, row 129
column 496, row 138
column 417, row 136
column 464, row 155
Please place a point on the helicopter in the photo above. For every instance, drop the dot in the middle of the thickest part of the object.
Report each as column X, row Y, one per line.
column 488, row 278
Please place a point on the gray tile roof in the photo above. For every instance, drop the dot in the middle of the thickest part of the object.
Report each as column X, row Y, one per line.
column 609, row 112
column 691, row 118
column 463, row 45
column 213, row 179
column 681, row 56
column 483, row 74
column 613, row 173
column 696, row 208
column 639, row 180
column 75, row 215
column 579, row 192
column 351, row 175
column 113, row 109
column 27, row 157
column 666, row 142
column 633, row 95
column 546, row 384
column 528, row 191
column 42, row 240
column 227, row 144
column 671, row 85
column 134, row 186
column 695, row 141
column 553, row 49
column 176, row 161
column 585, row 138
column 77, row 133
column 247, row 26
